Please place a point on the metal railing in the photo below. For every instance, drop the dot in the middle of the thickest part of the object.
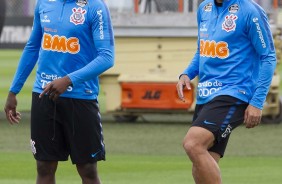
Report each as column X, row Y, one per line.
column 19, row 8
column 153, row 6
column 180, row 6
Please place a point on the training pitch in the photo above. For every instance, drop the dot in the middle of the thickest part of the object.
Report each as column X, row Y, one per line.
column 145, row 152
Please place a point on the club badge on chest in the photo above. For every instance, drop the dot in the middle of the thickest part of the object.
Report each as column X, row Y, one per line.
column 229, row 23
column 77, row 16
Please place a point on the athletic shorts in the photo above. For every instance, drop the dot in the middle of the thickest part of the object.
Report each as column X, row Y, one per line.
column 220, row 116
column 66, row 127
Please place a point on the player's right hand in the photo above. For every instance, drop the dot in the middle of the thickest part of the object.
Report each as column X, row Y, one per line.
column 252, row 116
column 183, row 81
column 55, row 88
column 12, row 115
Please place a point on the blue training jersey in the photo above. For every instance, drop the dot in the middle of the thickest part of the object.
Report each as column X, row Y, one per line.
column 69, row 37
column 235, row 55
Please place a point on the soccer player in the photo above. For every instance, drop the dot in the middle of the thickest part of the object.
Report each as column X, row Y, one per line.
column 72, row 42
column 234, row 62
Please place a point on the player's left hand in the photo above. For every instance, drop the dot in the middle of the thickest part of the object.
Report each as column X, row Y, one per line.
column 252, row 116
column 55, row 88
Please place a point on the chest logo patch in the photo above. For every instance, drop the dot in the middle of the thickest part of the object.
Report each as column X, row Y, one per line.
column 229, row 23
column 208, row 7
column 213, row 49
column 60, row 44
column 77, row 16
column 81, row 3
column 234, row 8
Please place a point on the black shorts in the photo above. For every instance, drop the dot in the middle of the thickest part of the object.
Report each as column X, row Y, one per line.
column 220, row 116
column 67, row 127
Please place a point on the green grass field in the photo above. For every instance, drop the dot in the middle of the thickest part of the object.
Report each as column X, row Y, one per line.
column 139, row 153
column 151, row 153
column 8, row 64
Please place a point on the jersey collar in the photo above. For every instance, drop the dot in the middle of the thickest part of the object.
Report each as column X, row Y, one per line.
column 67, row 0
column 226, row 3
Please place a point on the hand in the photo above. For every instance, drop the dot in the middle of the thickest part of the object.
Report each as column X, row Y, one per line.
column 183, row 81
column 252, row 116
column 12, row 115
column 55, row 88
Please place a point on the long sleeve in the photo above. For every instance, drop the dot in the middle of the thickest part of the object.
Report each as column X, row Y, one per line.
column 30, row 54
column 102, row 33
column 261, row 38
column 193, row 68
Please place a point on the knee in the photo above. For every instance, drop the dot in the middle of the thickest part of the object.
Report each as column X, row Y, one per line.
column 46, row 168
column 189, row 146
column 197, row 141
column 192, row 148
column 88, row 171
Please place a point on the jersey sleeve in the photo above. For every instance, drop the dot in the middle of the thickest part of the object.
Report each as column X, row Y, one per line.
column 193, row 68
column 261, row 38
column 30, row 54
column 102, row 33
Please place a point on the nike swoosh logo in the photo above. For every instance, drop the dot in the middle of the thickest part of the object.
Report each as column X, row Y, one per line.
column 95, row 154
column 209, row 123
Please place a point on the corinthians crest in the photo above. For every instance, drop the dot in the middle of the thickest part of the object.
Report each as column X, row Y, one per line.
column 32, row 145
column 229, row 24
column 77, row 16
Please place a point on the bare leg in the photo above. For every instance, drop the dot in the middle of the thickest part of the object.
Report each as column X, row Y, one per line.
column 46, row 172
column 88, row 173
column 215, row 156
column 205, row 167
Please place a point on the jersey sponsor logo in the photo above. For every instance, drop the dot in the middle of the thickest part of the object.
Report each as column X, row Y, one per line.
column 77, row 16
column 208, row 7
column 81, row 3
column 229, row 23
column 204, row 35
column 47, row 78
column 207, row 88
column 47, row 29
column 234, row 8
column 255, row 20
column 101, row 24
column 205, row 92
column 46, row 19
column 214, row 49
column 203, row 28
column 60, row 44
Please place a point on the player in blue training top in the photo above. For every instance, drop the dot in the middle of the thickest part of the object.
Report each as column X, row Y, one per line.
column 234, row 62
column 72, row 42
